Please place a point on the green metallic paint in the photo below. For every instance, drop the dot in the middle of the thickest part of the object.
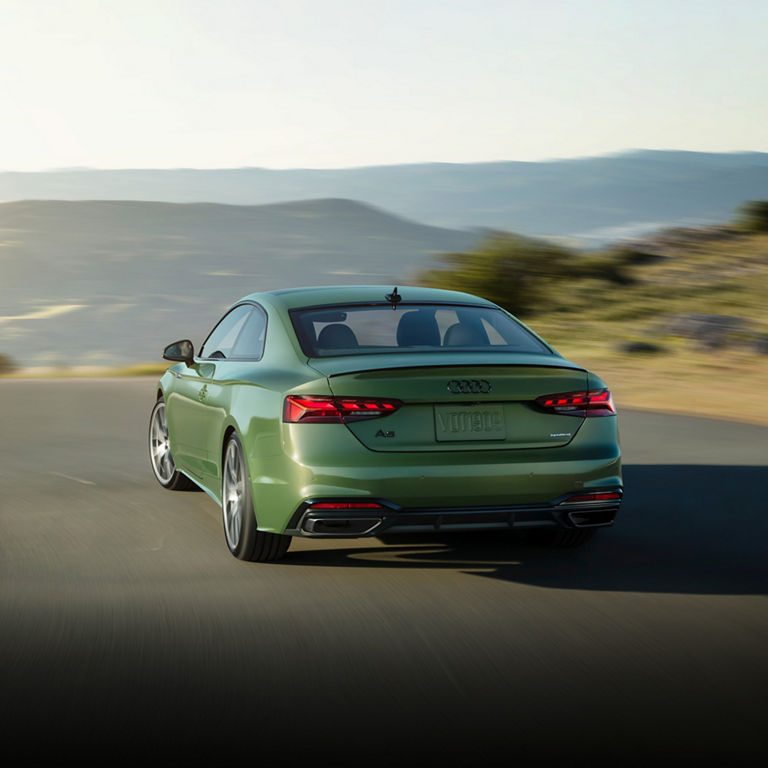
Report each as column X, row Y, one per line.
column 288, row 463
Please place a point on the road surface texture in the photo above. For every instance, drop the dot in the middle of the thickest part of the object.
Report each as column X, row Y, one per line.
column 128, row 634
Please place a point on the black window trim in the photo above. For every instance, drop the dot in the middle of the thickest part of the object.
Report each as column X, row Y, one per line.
column 249, row 303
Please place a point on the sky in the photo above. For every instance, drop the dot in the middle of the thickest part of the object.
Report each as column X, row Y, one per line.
column 343, row 83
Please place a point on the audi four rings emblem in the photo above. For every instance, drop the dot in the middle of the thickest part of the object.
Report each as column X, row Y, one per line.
column 469, row 386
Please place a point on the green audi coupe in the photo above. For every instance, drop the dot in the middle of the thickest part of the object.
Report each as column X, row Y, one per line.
column 359, row 410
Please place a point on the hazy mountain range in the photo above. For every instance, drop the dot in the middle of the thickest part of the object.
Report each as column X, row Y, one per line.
column 90, row 275
column 621, row 193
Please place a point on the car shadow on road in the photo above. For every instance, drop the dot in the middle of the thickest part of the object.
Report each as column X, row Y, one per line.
column 682, row 528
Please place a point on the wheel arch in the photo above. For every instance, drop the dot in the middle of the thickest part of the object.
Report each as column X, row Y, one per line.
column 228, row 432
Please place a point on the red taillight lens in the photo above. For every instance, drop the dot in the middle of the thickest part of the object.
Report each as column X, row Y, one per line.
column 345, row 505
column 595, row 496
column 322, row 409
column 597, row 402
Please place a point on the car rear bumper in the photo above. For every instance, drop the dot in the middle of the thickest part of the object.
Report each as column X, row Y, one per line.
column 443, row 488
column 391, row 518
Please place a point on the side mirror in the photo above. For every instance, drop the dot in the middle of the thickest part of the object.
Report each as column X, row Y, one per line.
column 180, row 352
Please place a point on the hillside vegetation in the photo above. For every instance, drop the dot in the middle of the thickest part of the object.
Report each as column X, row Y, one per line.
column 677, row 321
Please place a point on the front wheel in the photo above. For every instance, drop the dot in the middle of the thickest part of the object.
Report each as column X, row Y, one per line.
column 244, row 540
column 160, row 453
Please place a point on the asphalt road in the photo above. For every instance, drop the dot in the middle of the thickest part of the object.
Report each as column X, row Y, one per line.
column 128, row 632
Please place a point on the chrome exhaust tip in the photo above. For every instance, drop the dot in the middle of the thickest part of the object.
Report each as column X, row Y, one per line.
column 592, row 519
column 340, row 526
column 591, row 508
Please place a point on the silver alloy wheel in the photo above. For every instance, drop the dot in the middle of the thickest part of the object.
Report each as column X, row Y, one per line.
column 160, row 447
column 233, row 494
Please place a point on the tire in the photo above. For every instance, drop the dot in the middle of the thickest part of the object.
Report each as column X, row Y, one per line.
column 160, row 456
column 565, row 537
column 244, row 540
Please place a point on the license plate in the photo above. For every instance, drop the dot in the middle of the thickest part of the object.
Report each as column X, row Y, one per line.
column 469, row 422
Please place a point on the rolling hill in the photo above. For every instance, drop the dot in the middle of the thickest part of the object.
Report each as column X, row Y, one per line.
column 596, row 197
column 111, row 282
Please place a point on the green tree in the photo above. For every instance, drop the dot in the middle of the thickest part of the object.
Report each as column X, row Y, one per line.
column 753, row 215
column 521, row 273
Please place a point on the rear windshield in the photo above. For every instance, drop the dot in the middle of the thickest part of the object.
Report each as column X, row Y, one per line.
column 361, row 330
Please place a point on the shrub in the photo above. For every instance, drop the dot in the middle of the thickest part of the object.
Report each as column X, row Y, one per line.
column 509, row 270
column 608, row 267
column 754, row 215
column 640, row 347
column 522, row 273
column 630, row 256
column 6, row 365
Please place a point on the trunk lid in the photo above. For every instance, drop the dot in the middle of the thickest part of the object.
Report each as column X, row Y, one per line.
column 465, row 405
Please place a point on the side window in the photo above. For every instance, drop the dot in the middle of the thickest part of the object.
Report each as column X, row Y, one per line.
column 250, row 342
column 222, row 338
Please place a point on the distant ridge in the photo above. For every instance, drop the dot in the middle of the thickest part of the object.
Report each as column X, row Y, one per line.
column 579, row 196
column 112, row 281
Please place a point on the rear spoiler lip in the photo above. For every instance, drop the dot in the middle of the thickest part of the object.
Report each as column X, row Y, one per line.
column 369, row 368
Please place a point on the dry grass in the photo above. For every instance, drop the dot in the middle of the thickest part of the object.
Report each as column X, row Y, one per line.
column 88, row 371
column 699, row 271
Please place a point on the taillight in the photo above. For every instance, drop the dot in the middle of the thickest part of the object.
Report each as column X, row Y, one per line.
column 597, row 402
column 344, row 506
column 323, row 409
column 595, row 496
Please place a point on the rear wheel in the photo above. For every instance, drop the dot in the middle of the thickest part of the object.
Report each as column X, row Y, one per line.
column 160, row 453
column 244, row 540
column 565, row 537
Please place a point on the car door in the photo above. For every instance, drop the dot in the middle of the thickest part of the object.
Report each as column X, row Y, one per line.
column 192, row 404
column 222, row 386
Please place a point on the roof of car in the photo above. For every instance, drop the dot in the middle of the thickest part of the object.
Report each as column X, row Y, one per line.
column 321, row 295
